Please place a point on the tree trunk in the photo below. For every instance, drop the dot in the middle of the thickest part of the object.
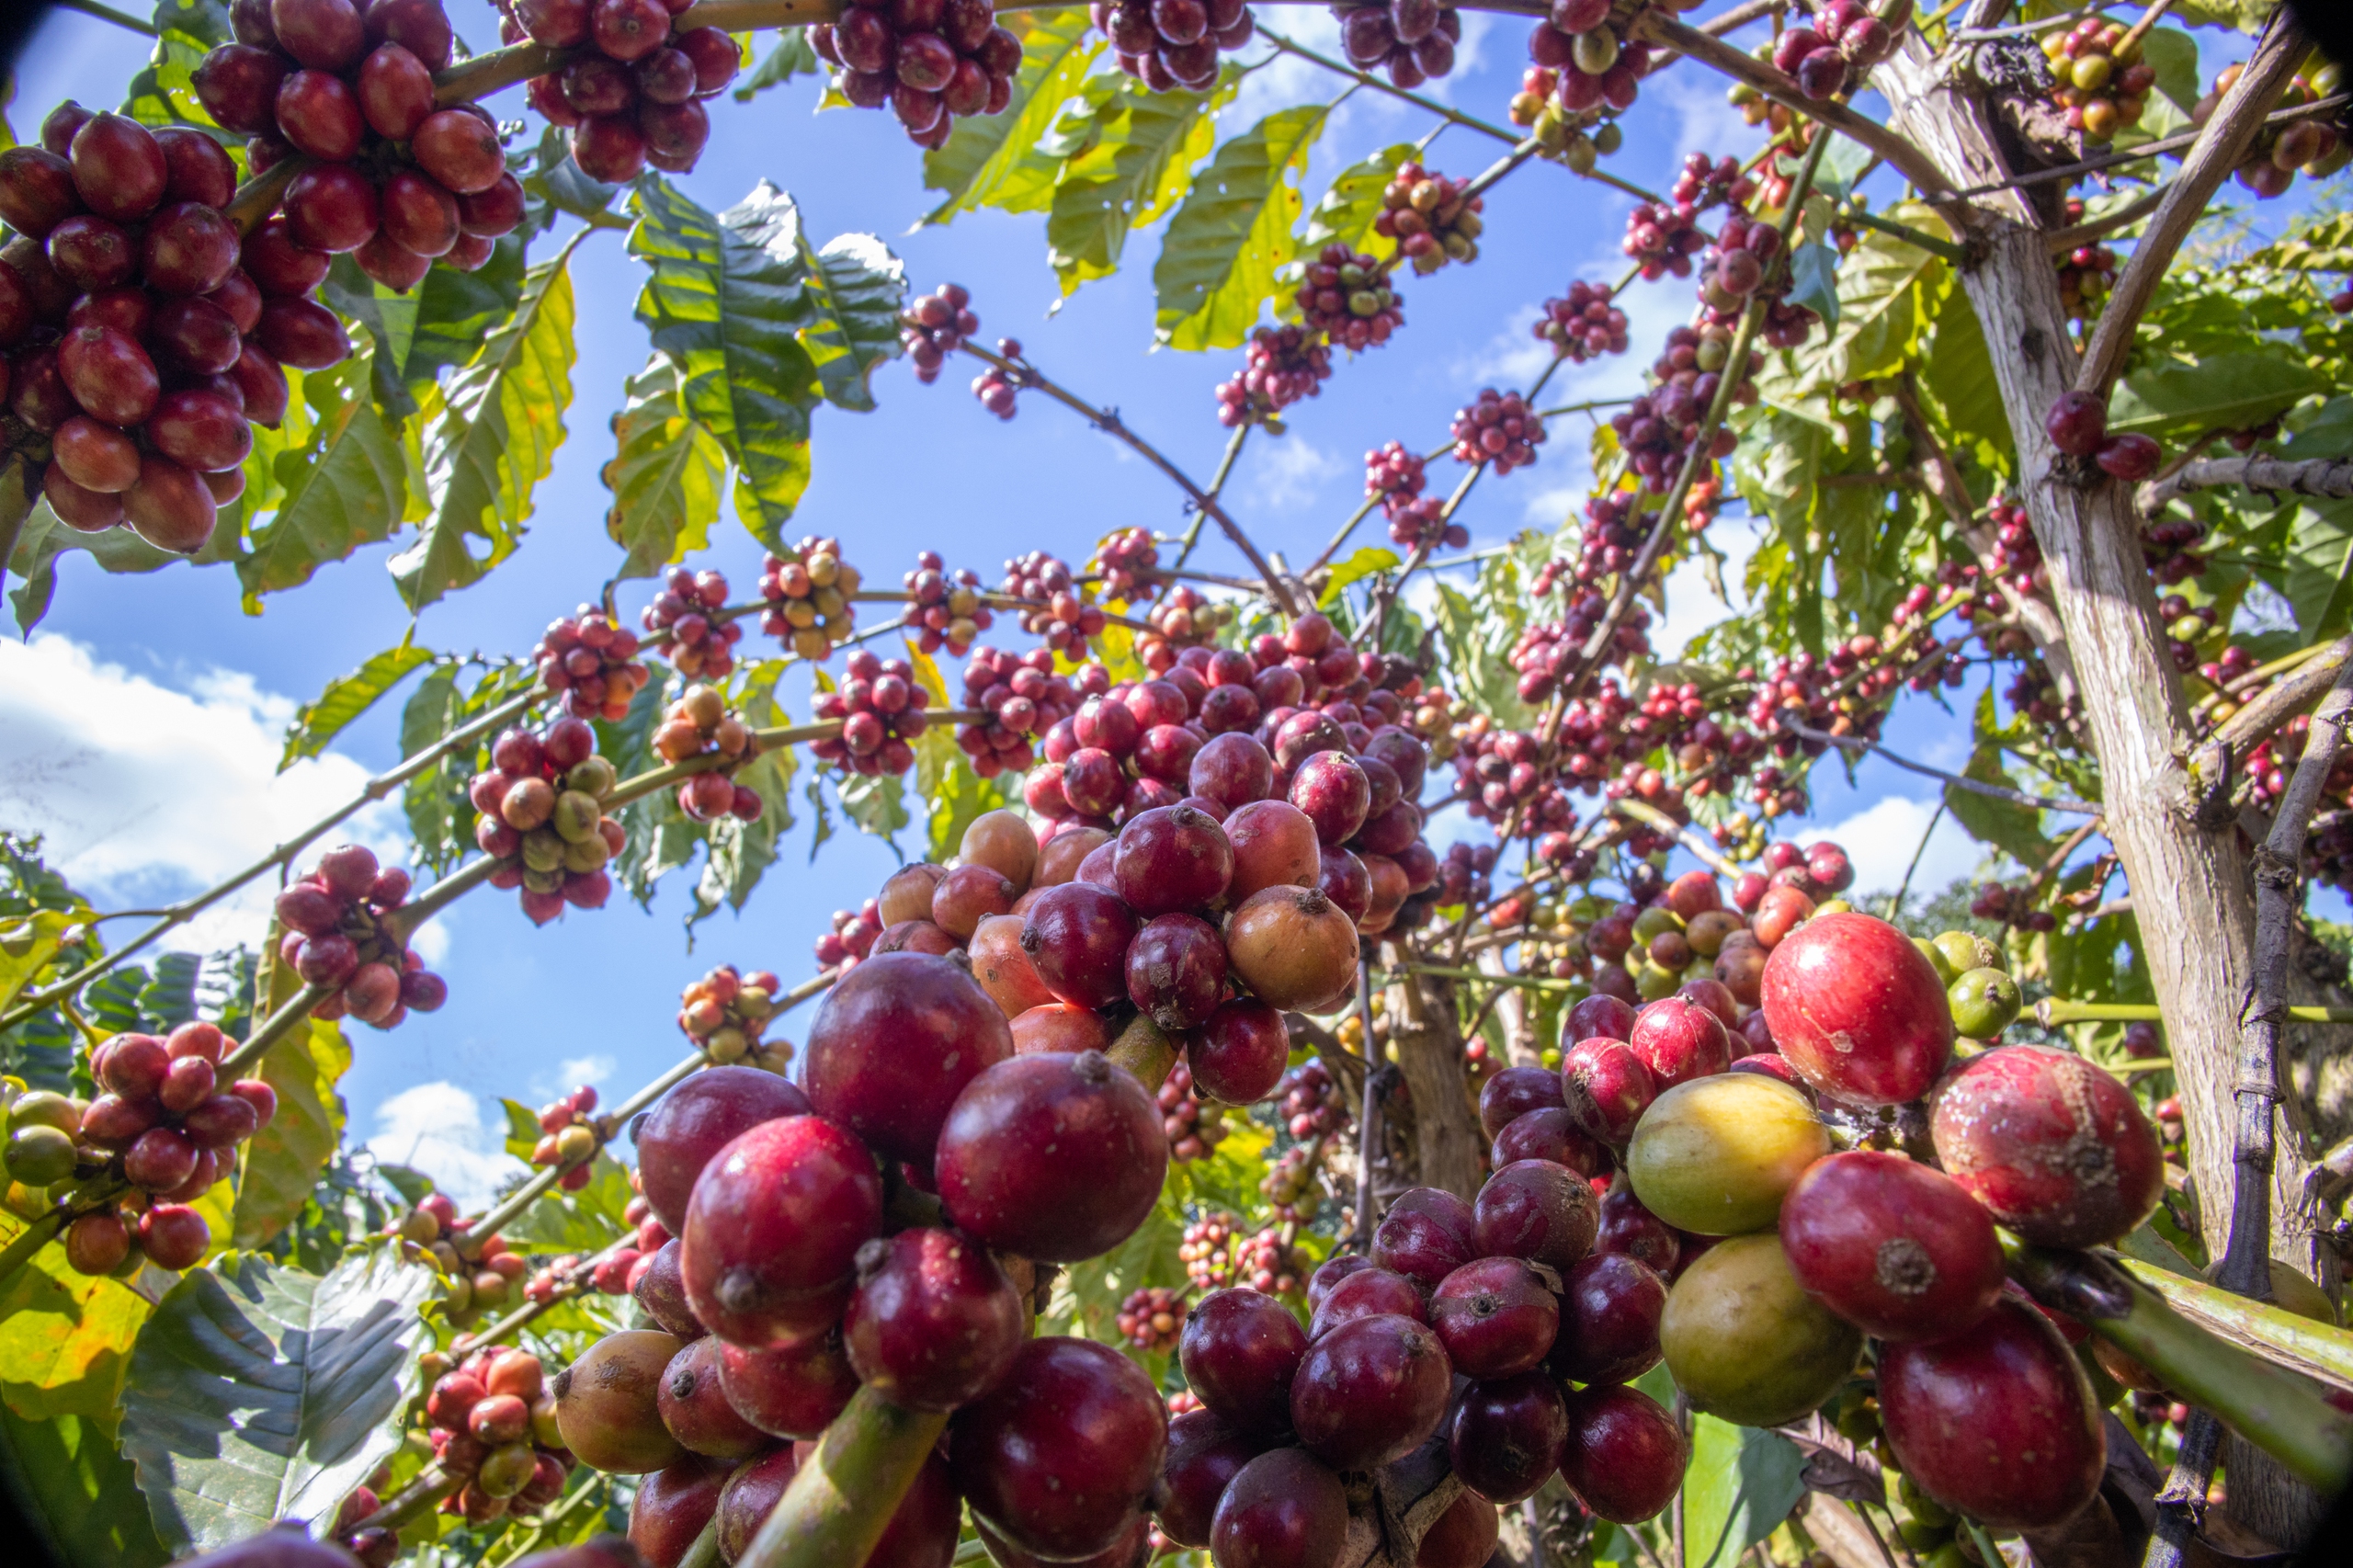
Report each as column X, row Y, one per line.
column 2192, row 895
column 1429, row 1054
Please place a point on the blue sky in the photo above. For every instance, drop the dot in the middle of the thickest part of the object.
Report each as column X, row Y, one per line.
column 173, row 783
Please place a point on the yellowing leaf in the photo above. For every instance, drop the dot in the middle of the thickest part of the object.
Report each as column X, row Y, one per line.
column 64, row 1337
column 1218, row 261
column 282, row 1162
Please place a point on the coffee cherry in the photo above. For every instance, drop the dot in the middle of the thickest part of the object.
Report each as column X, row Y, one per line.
column 2055, row 1148
column 694, row 1121
column 789, row 1391
column 1063, row 1453
column 1282, row 1510
column 1370, row 1391
column 934, row 1322
column 1745, row 1342
column 1057, row 1158
column 773, row 1228
column 607, row 1403
column 1624, row 1457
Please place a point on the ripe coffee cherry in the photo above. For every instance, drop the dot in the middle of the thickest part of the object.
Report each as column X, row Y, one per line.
column 609, row 147
column 628, row 29
column 1513, row 1092
column 1680, row 1041
column 674, row 1505
column 896, row 1043
column 1064, row 1451
column 169, row 508
column 238, row 85
column 326, row 35
column 695, row 1407
column 1537, row 1211
column 331, row 207
column 1171, row 858
column 1508, row 1435
column 697, row 1119
column 202, row 430
column 1610, row 1306
column 319, row 117
column 2056, row 1148
column 1550, row 1134
column 607, row 1403
column 1858, row 1010
column 196, row 336
column 1077, row 937
column 1057, row 1158
column 96, row 457
column 2077, row 424
column 1606, row 1087
column 1274, row 846
column 1426, row 1235
column 1334, row 793
column 1176, row 971
column 1624, row 1456
column 119, row 172
column 1370, row 1391
column 774, row 1228
column 174, row 1236
column 1240, row 1351
column 460, row 149
column 418, row 214
column 1998, row 1423
column 1204, row 1455
column 1896, row 1248
column 1281, row 1510
column 934, row 1322
column 1497, row 1317
column 1238, row 1055
column 1365, row 1291
column 791, row 1391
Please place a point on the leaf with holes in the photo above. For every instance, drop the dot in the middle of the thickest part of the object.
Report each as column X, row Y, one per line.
column 1218, row 259
column 346, row 697
column 726, row 301
column 282, row 1162
column 258, row 1392
column 1132, row 159
column 667, row 477
column 1345, row 213
column 988, row 159
column 491, row 435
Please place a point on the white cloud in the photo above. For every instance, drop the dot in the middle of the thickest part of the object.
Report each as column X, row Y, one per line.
column 438, row 1129
column 146, row 793
column 1285, row 79
column 1879, row 840
column 1288, row 472
column 1692, row 602
column 572, row 1072
column 1705, row 119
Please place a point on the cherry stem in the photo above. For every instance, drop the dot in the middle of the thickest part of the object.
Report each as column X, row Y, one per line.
column 843, row 1498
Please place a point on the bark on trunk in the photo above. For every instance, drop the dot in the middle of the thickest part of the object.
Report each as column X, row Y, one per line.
column 2191, row 891
column 1429, row 1054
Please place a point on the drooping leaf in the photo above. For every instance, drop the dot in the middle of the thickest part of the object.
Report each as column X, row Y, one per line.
column 1741, row 1483
column 794, row 55
column 345, row 484
column 2226, row 392
column 259, row 1392
column 1813, row 280
column 667, row 477
column 490, row 437
column 73, row 1488
column 1369, row 561
column 1959, row 373
column 282, row 1162
column 65, row 1338
column 1218, row 259
column 1344, row 214
column 42, row 540
column 986, row 161
column 346, row 697
column 1130, row 159
column 855, row 291
column 724, row 300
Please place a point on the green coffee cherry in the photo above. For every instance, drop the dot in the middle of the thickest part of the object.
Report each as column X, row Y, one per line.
column 576, row 814
column 1652, row 983
column 1921, row 1535
column 1922, row 1507
column 1655, row 921
column 1580, row 154
column 1965, row 950
column 1946, row 973
column 1609, row 139
column 46, row 1109
column 1985, row 1001
column 40, row 1154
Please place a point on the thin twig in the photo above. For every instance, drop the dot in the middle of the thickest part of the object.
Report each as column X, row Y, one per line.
column 2328, row 477
column 109, row 13
column 1974, row 785
column 1895, row 904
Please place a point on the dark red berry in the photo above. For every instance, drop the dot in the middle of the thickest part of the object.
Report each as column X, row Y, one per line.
column 1239, row 1350
column 1054, row 1157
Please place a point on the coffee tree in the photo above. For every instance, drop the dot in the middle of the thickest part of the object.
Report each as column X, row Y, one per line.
column 1190, row 1154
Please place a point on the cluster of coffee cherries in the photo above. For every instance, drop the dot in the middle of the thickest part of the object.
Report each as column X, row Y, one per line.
column 994, row 389
column 1280, row 366
column 1184, row 619
column 591, row 663
column 699, row 724
column 725, row 1012
column 935, row 326
column 631, row 90
column 1579, row 138
column 701, row 644
column 1056, row 613
column 1837, row 52
column 342, row 933
column 809, row 598
column 569, row 1137
column 1598, row 67
column 1497, row 428
column 852, row 938
column 1345, row 295
column 1195, row 1126
column 1657, row 430
column 165, row 1122
column 2085, row 275
column 542, row 817
column 492, row 1420
column 1173, row 44
column 2102, row 85
column 2010, row 905
column 1416, row 521
column 2312, row 145
column 2077, row 426
column 1430, row 217
column 1740, row 257
column 1293, row 1186
column 1499, row 772
column 388, row 173
column 434, row 1230
column 1584, row 323
column 1413, row 40
column 945, row 610
column 881, row 707
column 1123, row 562
column 138, row 351
column 1149, row 1318
column 931, row 62
column 1022, row 697
column 1663, row 239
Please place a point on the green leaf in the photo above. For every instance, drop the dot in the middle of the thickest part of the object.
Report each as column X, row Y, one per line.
column 1842, row 165
column 558, row 182
column 436, row 813
column 2014, row 829
column 792, row 56
column 582, row 1221
column 1876, row 313
column 490, row 437
column 1959, row 373
column 724, row 300
column 2173, row 55
column 1366, row 562
column 65, row 1338
column 42, row 539
column 877, row 803
column 2227, row 391
column 347, row 696
column 259, row 1393
column 2316, row 573
column 856, row 289
column 282, row 1162
column 1130, row 159
column 1218, row 259
column 1741, row 1483
column 987, row 160
column 522, row 1129
column 344, row 485
column 667, row 477
column 1345, row 213
column 164, row 92
column 1813, row 280
column 75, row 1489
